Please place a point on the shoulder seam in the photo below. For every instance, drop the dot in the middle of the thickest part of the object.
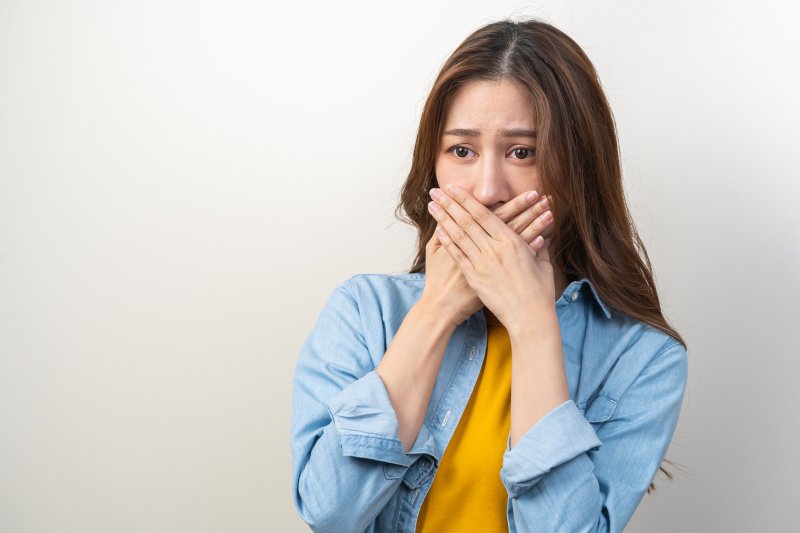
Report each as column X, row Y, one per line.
column 353, row 292
column 667, row 346
column 348, row 286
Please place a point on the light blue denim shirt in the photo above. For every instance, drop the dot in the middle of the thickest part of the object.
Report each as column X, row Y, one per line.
column 584, row 466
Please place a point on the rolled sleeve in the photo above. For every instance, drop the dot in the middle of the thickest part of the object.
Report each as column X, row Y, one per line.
column 560, row 435
column 341, row 413
column 565, row 475
column 367, row 424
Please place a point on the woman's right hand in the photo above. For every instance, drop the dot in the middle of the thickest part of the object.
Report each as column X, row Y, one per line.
column 445, row 285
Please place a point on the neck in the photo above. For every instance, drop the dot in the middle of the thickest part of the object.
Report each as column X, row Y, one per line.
column 560, row 282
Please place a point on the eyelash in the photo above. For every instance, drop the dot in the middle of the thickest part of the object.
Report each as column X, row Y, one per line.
column 531, row 151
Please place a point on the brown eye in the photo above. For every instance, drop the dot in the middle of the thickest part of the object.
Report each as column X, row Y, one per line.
column 523, row 153
column 461, row 151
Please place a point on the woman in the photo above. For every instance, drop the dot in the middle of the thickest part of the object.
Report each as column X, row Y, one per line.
column 521, row 376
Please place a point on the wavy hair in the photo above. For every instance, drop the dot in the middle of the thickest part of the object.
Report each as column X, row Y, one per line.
column 577, row 156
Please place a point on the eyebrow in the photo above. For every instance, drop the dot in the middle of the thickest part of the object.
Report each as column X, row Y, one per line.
column 513, row 132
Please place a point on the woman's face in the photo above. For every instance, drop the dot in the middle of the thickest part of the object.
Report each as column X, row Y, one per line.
column 488, row 143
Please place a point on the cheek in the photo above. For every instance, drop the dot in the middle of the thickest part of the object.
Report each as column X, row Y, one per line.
column 530, row 178
column 527, row 182
column 443, row 172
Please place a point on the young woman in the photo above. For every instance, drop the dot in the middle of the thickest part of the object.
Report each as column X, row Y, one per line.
column 521, row 376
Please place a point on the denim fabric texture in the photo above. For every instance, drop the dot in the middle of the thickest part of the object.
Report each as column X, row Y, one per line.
column 583, row 467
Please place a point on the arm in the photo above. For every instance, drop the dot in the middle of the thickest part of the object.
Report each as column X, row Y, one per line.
column 347, row 457
column 411, row 365
column 564, row 476
column 538, row 378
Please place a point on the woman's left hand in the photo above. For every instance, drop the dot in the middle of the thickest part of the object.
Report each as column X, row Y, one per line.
column 512, row 280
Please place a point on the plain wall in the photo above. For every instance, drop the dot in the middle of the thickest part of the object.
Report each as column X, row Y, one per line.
column 183, row 184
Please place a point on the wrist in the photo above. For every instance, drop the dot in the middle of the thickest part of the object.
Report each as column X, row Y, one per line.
column 540, row 324
column 432, row 313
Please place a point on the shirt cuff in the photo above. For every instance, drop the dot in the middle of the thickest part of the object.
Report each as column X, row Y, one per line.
column 560, row 435
column 367, row 424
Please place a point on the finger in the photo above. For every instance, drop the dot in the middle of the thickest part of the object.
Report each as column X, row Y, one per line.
column 537, row 244
column 520, row 222
column 455, row 252
column 465, row 209
column 452, row 230
column 521, row 211
column 512, row 209
column 537, row 227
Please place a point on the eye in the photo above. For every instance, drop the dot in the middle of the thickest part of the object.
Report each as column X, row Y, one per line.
column 459, row 151
column 524, row 153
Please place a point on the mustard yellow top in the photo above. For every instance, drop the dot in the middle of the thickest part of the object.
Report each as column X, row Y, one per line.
column 467, row 493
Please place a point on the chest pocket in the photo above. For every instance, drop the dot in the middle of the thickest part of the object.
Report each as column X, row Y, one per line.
column 599, row 408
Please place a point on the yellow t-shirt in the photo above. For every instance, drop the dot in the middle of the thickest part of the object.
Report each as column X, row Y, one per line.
column 467, row 493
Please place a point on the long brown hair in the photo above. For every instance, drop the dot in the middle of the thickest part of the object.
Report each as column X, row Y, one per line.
column 578, row 159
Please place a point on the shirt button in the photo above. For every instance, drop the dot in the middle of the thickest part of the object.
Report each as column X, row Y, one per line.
column 574, row 296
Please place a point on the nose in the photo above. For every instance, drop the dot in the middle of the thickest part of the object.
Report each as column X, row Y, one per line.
column 491, row 186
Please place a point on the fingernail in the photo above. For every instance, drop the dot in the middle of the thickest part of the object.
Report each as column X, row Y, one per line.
column 531, row 196
column 436, row 194
column 455, row 189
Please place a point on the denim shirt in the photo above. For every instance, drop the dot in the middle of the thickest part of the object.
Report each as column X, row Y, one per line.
column 584, row 466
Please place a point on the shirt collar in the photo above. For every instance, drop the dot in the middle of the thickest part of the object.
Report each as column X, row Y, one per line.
column 575, row 288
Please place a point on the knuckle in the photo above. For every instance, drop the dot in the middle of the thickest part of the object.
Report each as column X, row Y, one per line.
column 514, row 244
column 529, row 214
column 503, row 247
column 482, row 217
column 501, row 212
column 464, row 221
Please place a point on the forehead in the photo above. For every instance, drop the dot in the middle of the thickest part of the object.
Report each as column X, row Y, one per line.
column 485, row 104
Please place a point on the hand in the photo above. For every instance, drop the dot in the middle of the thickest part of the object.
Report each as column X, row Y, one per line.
column 446, row 285
column 512, row 277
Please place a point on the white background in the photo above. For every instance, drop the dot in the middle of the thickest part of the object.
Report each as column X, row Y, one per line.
column 182, row 184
